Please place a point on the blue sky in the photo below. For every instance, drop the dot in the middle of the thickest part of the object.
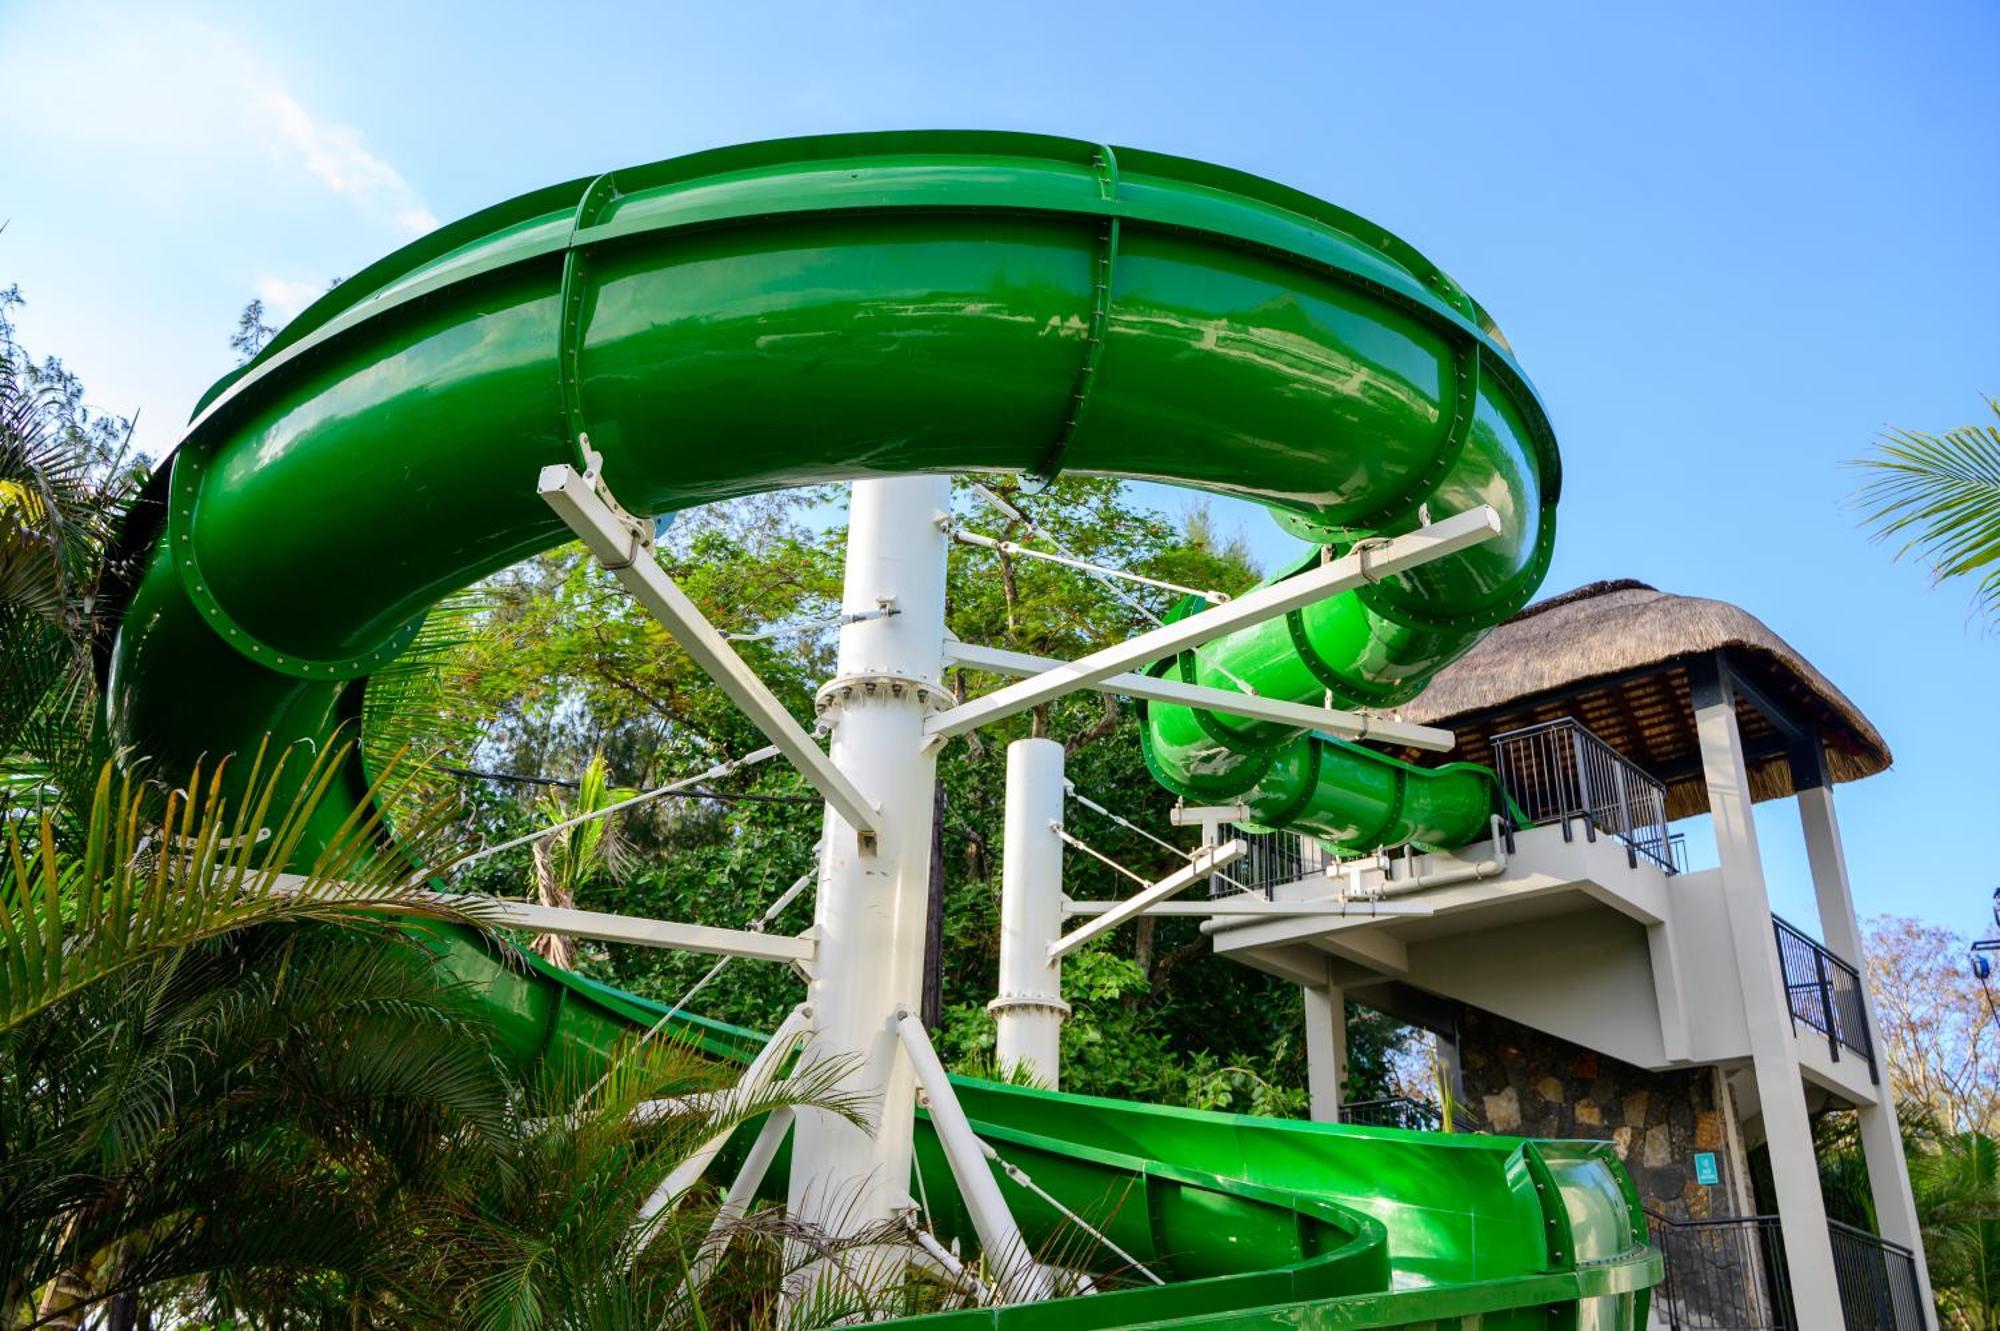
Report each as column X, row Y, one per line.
column 1729, row 242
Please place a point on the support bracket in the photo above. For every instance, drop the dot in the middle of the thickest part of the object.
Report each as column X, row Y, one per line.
column 1154, row 688
column 1355, row 569
column 624, row 545
column 1200, row 865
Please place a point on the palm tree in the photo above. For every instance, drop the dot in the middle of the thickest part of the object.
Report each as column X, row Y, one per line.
column 249, row 1095
column 565, row 860
column 1940, row 495
column 65, row 476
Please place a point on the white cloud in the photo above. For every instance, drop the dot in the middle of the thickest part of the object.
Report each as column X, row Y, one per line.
column 336, row 156
column 284, row 298
column 191, row 113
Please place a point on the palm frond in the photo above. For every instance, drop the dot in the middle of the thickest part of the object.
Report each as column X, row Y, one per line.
column 1940, row 495
column 206, row 865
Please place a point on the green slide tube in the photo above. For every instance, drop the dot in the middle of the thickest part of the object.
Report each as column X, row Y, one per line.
column 830, row 308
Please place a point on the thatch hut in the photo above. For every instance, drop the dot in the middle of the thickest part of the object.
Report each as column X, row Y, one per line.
column 1622, row 658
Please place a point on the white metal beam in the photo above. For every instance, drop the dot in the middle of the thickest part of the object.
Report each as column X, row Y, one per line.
column 624, row 545
column 608, row 928
column 1200, row 865
column 1365, row 565
column 1256, row 906
column 1334, row 721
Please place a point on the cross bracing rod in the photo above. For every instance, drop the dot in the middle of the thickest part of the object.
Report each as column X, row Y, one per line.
column 1199, row 865
column 1334, row 721
column 965, row 537
column 624, row 545
column 1254, row 906
column 602, row 927
column 1363, row 565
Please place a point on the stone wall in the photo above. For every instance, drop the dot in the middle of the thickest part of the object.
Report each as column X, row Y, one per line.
column 1518, row 1081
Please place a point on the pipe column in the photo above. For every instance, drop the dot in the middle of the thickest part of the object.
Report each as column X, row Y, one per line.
column 871, row 908
column 1029, row 1008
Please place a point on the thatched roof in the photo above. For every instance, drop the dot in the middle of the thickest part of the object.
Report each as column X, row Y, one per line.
column 1615, row 656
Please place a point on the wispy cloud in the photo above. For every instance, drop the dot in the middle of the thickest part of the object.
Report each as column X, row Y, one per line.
column 336, row 156
column 285, row 298
column 164, row 100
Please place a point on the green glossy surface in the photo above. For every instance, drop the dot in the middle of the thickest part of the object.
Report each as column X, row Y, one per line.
column 824, row 309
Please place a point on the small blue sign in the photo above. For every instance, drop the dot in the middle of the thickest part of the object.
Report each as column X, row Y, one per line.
column 1705, row 1168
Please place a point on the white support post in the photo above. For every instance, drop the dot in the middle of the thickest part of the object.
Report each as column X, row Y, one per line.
column 871, row 910
column 600, row 926
column 754, row 1079
column 1773, row 1046
column 1881, row 1137
column 1332, row 720
column 1019, row 1278
column 624, row 545
column 1363, row 566
column 1205, row 861
column 1242, row 904
column 1028, row 1010
column 736, row 1202
column 1326, row 1048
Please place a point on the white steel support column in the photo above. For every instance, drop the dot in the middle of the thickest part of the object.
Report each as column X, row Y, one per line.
column 1028, row 1009
column 1326, row 1049
column 871, row 907
column 1773, row 1046
column 1881, row 1138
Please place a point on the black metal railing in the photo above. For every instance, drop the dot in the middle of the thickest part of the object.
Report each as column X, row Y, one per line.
column 1394, row 1111
column 1730, row 1275
column 1722, row 1275
column 1558, row 772
column 1878, row 1281
column 1825, row 993
column 1274, row 859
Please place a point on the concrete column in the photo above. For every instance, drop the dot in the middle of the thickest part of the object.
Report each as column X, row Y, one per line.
column 1028, row 1011
column 1773, row 1047
column 1881, row 1137
column 1326, row 1050
column 872, row 901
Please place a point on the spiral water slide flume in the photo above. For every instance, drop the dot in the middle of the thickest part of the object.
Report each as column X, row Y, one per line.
column 844, row 307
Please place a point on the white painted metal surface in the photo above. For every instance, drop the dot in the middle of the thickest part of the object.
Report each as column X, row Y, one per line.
column 1332, row 720
column 1028, row 1010
column 758, row 1075
column 1370, row 564
column 1006, row 1254
column 871, row 908
column 624, row 545
column 1204, row 861
column 608, row 928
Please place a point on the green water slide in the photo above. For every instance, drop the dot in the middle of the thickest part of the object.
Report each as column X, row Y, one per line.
column 834, row 308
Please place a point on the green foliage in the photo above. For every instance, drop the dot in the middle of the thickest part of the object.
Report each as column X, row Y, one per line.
column 566, row 667
column 1940, row 496
column 65, row 475
column 1955, row 1183
column 261, row 1103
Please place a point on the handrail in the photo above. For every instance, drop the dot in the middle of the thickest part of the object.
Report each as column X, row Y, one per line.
column 1558, row 771
column 1824, row 991
column 1730, row 1272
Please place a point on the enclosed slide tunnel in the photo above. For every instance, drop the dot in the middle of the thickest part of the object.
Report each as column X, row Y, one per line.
column 833, row 308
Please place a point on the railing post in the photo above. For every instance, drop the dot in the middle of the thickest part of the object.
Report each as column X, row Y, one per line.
column 1826, row 1003
column 1580, row 758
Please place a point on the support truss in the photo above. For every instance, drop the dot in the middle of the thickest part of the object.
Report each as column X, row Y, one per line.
column 1152, row 688
column 1199, row 866
column 624, row 545
column 1365, row 564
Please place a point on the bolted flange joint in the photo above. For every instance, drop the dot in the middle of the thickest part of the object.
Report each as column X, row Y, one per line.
column 837, row 693
column 1007, row 1002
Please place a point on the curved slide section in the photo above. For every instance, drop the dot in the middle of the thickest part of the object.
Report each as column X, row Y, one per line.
column 826, row 309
